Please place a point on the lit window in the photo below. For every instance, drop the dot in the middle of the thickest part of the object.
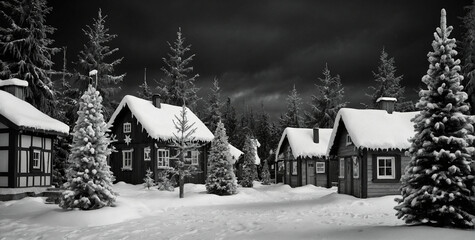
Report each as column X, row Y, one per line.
column 386, row 168
column 342, row 168
column 36, row 158
column 320, row 167
column 163, row 158
column 127, row 127
column 348, row 140
column 195, row 157
column 127, row 159
column 146, row 154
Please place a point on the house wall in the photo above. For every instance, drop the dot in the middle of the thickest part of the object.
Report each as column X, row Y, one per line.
column 390, row 187
column 4, row 155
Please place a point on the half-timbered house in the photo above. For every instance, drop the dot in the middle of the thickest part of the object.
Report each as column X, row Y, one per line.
column 26, row 140
column 142, row 133
column 301, row 157
column 370, row 146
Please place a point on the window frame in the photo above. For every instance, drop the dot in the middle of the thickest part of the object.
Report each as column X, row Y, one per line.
column 38, row 165
column 127, row 127
column 318, row 169
column 348, row 140
column 195, row 156
column 127, row 163
column 147, row 154
column 341, row 165
column 165, row 160
column 294, row 166
column 393, row 168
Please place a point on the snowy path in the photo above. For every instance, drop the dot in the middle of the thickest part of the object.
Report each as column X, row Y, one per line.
column 275, row 212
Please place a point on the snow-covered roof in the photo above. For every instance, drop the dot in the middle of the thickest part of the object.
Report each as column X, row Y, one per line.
column 391, row 99
column 23, row 114
column 376, row 129
column 13, row 82
column 301, row 142
column 235, row 153
column 158, row 122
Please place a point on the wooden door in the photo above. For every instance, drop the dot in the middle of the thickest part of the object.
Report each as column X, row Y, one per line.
column 311, row 172
column 348, row 176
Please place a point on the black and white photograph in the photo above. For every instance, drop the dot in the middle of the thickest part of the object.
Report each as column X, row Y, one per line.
column 263, row 119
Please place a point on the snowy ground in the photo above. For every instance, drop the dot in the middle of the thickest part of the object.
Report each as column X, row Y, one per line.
column 264, row 212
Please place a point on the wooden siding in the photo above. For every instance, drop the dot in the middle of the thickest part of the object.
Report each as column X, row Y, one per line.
column 346, row 184
column 375, row 188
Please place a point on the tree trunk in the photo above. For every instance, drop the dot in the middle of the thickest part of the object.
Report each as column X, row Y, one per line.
column 182, row 184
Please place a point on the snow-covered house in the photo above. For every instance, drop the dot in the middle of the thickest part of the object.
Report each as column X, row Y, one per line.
column 301, row 157
column 235, row 154
column 257, row 160
column 26, row 140
column 143, row 132
column 370, row 146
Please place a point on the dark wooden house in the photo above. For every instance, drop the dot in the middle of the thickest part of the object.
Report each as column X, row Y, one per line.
column 142, row 131
column 26, row 140
column 301, row 157
column 370, row 146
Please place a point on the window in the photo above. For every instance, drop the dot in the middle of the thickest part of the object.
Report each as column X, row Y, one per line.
column 386, row 168
column 294, row 167
column 127, row 159
column 348, row 140
column 310, row 165
column 127, row 127
column 195, row 157
column 342, row 168
column 163, row 158
column 356, row 167
column 36, row 157
column 320, row 167
column 146, row 154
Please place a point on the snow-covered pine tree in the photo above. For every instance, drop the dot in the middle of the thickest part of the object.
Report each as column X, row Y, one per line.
column 148, row 181
column 265, row 174
column 93, row 57
column 387, row 83
column 89, row 184
column 221, row 179
column 178, row 88
column 230, row 122
column 184, row 141
column 248, row 165
column 468, row 50
column 213, row 111
column 145, row 91
column 438, row 183
column 263, row 133
column 293, row 117
column 326, row 102
column 26, row 49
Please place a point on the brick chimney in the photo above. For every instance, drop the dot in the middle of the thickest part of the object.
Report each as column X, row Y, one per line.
column 156, row 101
column 316, row 135
column 14, row 86
column 386, row 103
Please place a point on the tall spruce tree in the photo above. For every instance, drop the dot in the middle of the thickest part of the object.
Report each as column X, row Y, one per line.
column 221, row 179
column 248, row 165
column 293, row 117
column 89, row 184
column 263, row 133
column 26, row 50
column 184, row 141
column 468, row 50
column 178, row 88
column 265, row 174
column 387, row 83
column 145, row 91
column 230, row 122
column 94, row 57
column 326, row 102
column 438, row 183
column 213, row 111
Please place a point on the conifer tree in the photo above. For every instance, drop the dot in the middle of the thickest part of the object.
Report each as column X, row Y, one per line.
column 213, row 111
column 248, row 165
column 326, row 102
column 184, row 141
column 93, row 57
column 292, row 118
column 148, row 180
column 89, row 184
column 26, row 50
column 468, row 50
column 263, row 133
column 265, row 174
column 387, row 83
column 438, row 183
column 221, row 179
column 178, row 88
column 230, row 122
column 145, row 91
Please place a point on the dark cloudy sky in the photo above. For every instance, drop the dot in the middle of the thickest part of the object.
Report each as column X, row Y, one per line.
column 260, row 49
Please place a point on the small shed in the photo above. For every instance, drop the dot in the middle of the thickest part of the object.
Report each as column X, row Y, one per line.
column 301, row 157
column 26, row 140
column 143, row 130
column 370, row 146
